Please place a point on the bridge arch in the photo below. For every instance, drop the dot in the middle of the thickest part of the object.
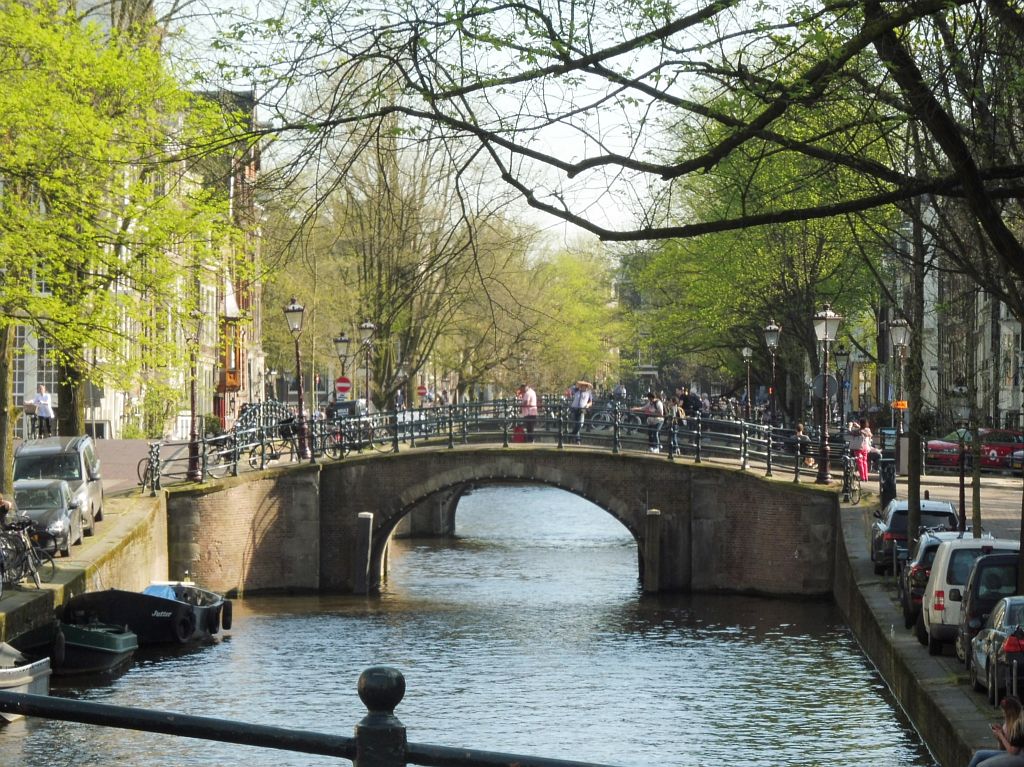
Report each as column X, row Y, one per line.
column 713, row 520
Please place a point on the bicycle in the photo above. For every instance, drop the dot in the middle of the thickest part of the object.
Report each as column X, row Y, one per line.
column 851, row 478
column 19, row 558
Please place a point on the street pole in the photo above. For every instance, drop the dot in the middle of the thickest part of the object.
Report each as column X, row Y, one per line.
column 293, row 313
column 826, row 327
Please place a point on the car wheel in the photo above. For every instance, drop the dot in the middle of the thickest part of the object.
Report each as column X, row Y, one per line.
column 972, row 674
column 993, row 685
column 908, row 617
column 91, row 528
column 958, row 649
column 919, row 629
column 934, row 645
column 65, row 550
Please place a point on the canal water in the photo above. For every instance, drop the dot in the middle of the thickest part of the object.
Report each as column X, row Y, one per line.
column 528, row 634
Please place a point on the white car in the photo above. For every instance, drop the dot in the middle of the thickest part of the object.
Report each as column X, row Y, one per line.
column 940, row 605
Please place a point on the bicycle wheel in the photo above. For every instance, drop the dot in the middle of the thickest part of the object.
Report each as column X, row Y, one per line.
column 143, row 471
column 335, row 445
column 382, row 439
column 44, row 566
column 855, row 489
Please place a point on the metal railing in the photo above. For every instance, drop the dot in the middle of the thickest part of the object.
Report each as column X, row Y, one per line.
column 613, row 427
column 380, row 737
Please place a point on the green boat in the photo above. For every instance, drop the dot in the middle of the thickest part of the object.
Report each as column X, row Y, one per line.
column 96, row 649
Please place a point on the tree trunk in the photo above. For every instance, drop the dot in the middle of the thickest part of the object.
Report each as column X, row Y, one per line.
column 71, row 395
column 9, row 412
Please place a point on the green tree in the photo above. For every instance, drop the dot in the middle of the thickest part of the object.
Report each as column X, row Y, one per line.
column 98, row 209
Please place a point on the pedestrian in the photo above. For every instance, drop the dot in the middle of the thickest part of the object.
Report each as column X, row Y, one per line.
column 860, row 446
column 803, row 447
column 44, row 410
column 654, row 417
column 581, row 401
column 675, row 416
column 528, row 409
column 6, row 507
column 1009, row 734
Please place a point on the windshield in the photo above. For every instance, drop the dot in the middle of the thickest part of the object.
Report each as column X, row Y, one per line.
column 59, row 466
column 37, row 498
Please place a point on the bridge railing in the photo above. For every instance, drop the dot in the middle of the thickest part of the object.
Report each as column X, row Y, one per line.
column 610, row 427
column 380, row 737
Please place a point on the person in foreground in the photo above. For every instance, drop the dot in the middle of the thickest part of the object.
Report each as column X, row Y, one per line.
column 1009, row 734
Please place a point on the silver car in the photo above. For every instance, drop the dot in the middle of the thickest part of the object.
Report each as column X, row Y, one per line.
column 48, row 503
column 72, row 459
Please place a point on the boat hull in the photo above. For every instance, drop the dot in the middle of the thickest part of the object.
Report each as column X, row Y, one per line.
column 96, row 650
column 191, row 615
column 20, row 674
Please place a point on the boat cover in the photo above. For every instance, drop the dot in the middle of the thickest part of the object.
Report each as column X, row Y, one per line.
column 160, row 590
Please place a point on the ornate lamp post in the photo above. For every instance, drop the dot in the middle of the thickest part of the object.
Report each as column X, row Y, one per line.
column 195, row 471
column 293, row 314
column 899, row 336
column 748, row 353
column 771, row 340
column 962, row 417
column 826, row 326
column 366, row 331
column 842, row 355
column 341, row 344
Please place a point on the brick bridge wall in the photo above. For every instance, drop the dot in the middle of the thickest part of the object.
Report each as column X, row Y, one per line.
column 295, row 528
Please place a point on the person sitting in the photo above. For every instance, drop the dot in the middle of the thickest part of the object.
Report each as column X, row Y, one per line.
column 1009, row 734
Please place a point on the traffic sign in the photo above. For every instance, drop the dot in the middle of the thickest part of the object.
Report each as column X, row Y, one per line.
column 342, row 386
column 900, row 404
column 820, row 383
column 421, row 390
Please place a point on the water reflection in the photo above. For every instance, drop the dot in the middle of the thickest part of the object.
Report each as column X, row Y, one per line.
column 528, row 634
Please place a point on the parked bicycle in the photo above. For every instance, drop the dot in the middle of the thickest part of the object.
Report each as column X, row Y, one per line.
column 851, row 478
column 19, row 558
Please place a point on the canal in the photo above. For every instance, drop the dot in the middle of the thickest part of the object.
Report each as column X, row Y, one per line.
column 527, row 634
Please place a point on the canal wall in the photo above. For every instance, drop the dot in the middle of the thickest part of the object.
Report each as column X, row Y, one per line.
column 950, row 717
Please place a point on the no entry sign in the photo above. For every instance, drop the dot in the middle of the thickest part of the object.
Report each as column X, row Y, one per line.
column 342, row 385
column 421, row 390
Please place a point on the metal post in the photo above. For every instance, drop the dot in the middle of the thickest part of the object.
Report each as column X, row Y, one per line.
column 380, row 736
column 361, row 558
column 616, row 418
column 304, row 451
column 744, row 446
column 824, row 469
column 697, row 436
column 561, row 425
column 195, row 472
column 768, row 432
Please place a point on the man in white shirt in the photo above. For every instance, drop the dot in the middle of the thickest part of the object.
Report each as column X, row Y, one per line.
column 528, row 409
column 581, row 402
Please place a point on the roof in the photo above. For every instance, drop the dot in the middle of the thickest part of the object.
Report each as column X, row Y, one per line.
column 50, row 445
column 34, row 484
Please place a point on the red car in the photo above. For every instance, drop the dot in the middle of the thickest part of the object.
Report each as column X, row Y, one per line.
column 997, row 446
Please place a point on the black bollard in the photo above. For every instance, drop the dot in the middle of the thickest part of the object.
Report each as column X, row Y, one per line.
column 887, row 479
column 380, row 736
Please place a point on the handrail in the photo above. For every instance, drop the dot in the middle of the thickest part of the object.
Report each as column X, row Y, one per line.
column 380, row 738
column 612, row 427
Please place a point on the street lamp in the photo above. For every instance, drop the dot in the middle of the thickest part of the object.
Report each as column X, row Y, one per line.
column 748, row 353
column 842, row 355
column 195, row 471
column 826, row 326
column 772, row 331
column 366, row 331
column 899, row 336
column 293, row 315
column 341, row 344
column 962, row 417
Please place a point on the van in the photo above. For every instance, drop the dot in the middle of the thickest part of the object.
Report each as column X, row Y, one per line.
column 940, row 605
column 993, row 577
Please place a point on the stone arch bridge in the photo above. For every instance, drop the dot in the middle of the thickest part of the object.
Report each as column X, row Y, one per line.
column 326, row 527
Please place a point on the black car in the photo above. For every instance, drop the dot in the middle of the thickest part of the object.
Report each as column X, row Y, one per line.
column 890, row 528
column 992, row 577
column 997, row 651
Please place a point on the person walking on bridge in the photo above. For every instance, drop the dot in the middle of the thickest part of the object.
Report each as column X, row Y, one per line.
column 528, row 409
column 581, row 400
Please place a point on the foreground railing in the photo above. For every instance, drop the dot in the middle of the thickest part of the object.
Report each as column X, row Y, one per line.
column 612, row 427
column 380, row 738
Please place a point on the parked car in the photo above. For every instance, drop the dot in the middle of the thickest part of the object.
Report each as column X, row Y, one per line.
column 913, row 577
column 50, row 506
column 940, row 605
column 72, row 459
column 890, row 528
column 996, row 646
column 997, row 447
column 993, row 577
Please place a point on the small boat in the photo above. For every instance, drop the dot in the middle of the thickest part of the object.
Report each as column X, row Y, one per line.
column 166, row 612
column 93, row 649
column 18, row 673
column 96, row 650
